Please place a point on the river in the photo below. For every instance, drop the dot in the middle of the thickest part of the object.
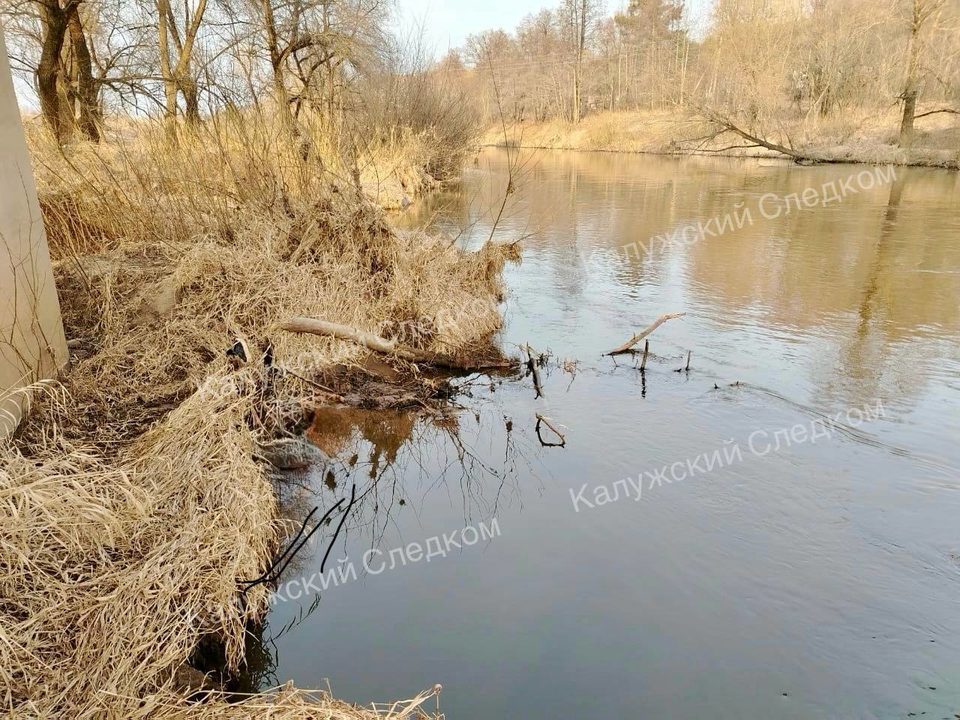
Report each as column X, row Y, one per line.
column 793, row 550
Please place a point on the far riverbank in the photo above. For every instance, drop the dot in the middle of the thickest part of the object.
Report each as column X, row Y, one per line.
column 851, row 138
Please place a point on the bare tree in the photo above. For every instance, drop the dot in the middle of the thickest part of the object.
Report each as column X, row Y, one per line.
column 657, row 48
column 65, row 82
column 314, row 47
column 580, row 19
column 176, row 67
column 924, row 12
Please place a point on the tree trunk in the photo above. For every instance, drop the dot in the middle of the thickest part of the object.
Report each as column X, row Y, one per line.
column 170, row 109
column 283, row 98
column 276, row 64
column 54, row 21
column 575, row 115
column 578, row 69
column 177, row 77
column 191, row 99
column 910, row 91
column 166, row 72
column 88, row 112
column 906, row 122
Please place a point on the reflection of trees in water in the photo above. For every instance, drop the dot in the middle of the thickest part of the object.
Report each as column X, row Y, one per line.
column 888, row 227
column 871, row 278
column 905, row 258
column 396, row 459
column 864, row 353
column 386, row 431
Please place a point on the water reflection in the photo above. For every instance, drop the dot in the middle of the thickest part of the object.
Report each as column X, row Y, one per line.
column 397, row 460
column 863, row 293
column 819, row 580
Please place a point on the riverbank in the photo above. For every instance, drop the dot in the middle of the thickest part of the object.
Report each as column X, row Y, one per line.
column 853, row 137
column 140, row 500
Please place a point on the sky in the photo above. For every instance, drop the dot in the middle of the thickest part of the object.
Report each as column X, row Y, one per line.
column 447, row 23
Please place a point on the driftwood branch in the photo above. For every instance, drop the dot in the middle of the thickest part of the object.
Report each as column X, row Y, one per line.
column 379, row 344
column 626, row 347
column 345, row 332
column 543, row 419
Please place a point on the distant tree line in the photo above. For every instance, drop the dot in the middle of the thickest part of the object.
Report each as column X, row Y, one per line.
column 756, row 59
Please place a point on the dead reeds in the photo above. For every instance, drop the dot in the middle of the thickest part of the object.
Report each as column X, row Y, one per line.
column 134, row 506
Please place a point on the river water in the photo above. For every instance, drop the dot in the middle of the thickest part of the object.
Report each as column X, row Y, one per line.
column 795, row 551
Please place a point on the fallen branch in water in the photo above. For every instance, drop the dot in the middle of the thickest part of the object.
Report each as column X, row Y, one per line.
column 725, row 125
column 626, row 347
column 315, row 326
column 549, row 423
column 532, row 365
column 270, row 576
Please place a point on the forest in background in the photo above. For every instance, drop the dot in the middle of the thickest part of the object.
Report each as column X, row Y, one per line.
column 330, row 75
column 758, row 63
column 761, row 65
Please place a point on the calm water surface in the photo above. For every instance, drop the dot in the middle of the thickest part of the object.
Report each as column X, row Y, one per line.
column 819, row 580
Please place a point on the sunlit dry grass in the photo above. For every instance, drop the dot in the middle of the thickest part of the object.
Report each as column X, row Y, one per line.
column 165, row 253
column 134, row 506
column 856, row 135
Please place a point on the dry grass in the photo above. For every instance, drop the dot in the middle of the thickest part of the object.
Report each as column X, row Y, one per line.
column 134, row 501
column 647, row 131
column 289, row 703
column 857, row 136
column 180, row 249
column 111, row 571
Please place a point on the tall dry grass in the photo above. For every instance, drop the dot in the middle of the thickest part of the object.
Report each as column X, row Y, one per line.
column 134, row 503
column 165, row 253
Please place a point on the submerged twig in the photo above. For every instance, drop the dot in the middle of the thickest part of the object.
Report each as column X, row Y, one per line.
column 343, row 519
column 549, row 423
column 532, row 366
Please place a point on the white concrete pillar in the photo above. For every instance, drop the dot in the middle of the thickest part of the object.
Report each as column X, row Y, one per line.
column 32, row 345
